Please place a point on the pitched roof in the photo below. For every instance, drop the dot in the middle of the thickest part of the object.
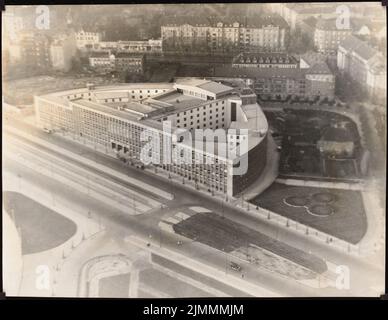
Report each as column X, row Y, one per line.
column 265, row 57
column 254, row 72
column 326, row 24
column 319, row 68
column 352, row 43
column 312, row 57
column 198, row 20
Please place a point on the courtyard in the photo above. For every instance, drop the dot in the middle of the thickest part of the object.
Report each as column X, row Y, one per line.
column 298, row 133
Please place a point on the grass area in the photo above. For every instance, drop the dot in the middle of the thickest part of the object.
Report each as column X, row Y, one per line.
column 347, row 222
column 41, row 228
column 116, row 286
column 226, row 235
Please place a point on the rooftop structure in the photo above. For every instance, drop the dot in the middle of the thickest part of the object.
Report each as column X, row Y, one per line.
column 265, row 60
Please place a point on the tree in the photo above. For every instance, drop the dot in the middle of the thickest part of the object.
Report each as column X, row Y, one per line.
column 299, row 42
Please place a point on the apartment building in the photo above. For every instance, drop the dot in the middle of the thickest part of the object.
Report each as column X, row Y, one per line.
column 62, row 50
column 34, row 49
column 364, row 65
column 150, row 46
column 87, row 40
column 130, row 62
column 208, row 35
column 327, row 35
column 313, row 79
column 121, row 61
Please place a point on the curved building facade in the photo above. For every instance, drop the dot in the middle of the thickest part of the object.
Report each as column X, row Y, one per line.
column 204, row 131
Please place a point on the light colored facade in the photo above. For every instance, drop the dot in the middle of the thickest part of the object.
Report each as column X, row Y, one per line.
column 151, row 46
column 311, row 78
column 62, row 51
column 148, row 46
column 87, row 40
column 35, row 49
column 295, row 13
column 121, row 61
column 221, row 37
column 11, row 25
column 109, row 118
column 327, row 36
column 364, row 65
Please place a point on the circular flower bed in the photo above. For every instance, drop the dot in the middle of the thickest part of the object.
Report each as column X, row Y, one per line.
column 296, row 201
column 323, row 197
column 320, row 210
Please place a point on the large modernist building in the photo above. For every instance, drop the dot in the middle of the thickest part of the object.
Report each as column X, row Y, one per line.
column 167, row 123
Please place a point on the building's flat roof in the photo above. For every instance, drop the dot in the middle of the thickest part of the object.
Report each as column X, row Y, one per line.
column 214, row 87
column 179, row 100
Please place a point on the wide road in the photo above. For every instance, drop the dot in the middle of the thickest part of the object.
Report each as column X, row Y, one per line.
column 363, row 273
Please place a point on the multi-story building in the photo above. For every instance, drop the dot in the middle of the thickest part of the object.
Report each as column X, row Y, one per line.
column 166, row 129
column 62, row 51
column 11, row 25
column 121, row 61
column 148, row 46
column 130, row 62
column 312, row 78
column 35, row 49
column 295, row 13
column 364, row 65
column 151, row 46
column 201, row 35
column 102, row 61
column 87, row 40
column 265, row 60
column 327, row 35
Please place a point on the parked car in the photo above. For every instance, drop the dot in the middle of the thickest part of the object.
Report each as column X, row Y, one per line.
column 236, row 267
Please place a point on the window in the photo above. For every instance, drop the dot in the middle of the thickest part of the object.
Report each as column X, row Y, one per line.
column 233, row 111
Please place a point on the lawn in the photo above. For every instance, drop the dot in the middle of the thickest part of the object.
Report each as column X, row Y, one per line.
column 343, row 217
column 41, row 228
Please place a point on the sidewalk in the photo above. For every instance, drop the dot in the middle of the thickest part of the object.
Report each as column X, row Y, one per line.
column 49, row 259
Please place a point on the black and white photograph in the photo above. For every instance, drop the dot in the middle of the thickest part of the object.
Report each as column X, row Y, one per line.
column 182, row 150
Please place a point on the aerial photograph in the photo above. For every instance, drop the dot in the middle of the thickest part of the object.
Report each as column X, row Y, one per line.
column 194, row 150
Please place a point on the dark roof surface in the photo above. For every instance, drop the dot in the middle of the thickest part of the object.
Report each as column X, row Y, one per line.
column 254, row 72
column 352, row 43
column 337, row 134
